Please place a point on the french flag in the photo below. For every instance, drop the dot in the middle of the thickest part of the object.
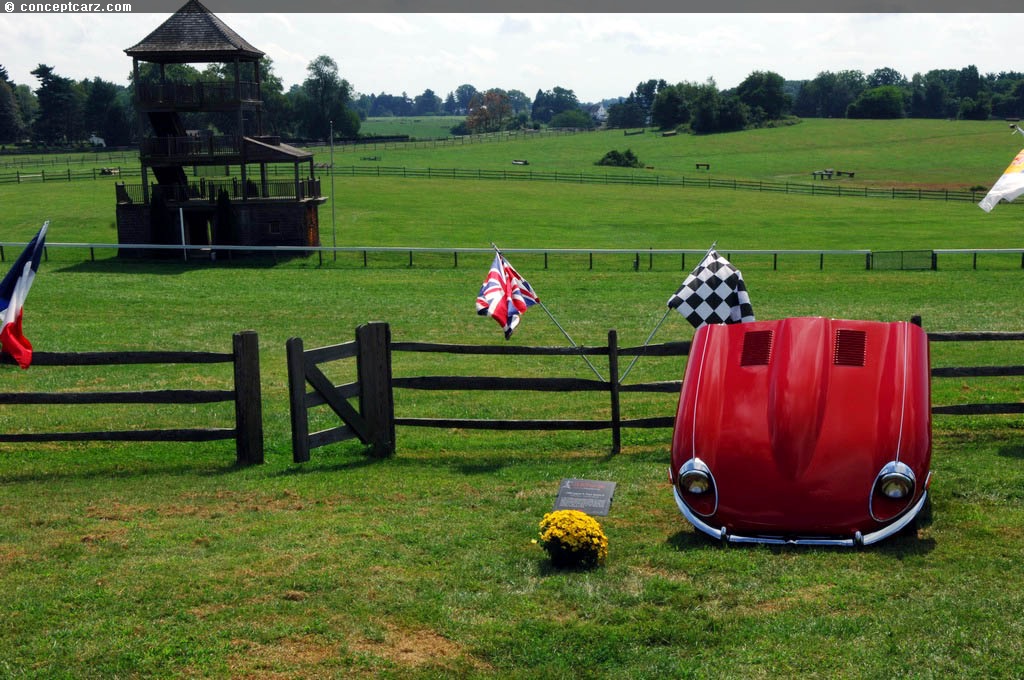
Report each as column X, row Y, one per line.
column 13, row 291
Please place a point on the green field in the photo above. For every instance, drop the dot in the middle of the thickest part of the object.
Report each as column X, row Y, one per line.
column 420, row 127
column 167, row 560
column 903, row 153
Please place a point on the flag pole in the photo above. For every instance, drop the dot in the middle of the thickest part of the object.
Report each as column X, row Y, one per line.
column 658, row 326
column 544, row 307
column 555, row 321
column 646, row 342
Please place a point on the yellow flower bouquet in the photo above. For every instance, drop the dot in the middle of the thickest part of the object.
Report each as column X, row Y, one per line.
column 573, row 539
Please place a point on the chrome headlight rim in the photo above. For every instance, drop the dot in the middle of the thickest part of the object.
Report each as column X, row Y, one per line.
column 895, row 483
column 693, row 474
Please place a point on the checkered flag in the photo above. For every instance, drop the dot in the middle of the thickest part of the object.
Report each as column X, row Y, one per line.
column 714, row 292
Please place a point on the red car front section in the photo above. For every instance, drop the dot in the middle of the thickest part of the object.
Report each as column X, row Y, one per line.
column 806, row 430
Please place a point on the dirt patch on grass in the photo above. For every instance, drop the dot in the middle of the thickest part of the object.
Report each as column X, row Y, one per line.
column 415, row 647
column 104, row 536
column 115, row 511
column 202, row 505
column 810, row 595
column 231, row 502
column 303, row 657
column 10, row 555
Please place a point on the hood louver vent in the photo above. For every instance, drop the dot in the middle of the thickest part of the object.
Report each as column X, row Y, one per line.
column 757, row 348
column 850, row 348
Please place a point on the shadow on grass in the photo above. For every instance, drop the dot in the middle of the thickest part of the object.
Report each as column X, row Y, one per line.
column 117, row 471
column 483, row 467
column 904, row 544
column 1012, row 451
column 117, row 465
column 173, row 265
column 340, row 466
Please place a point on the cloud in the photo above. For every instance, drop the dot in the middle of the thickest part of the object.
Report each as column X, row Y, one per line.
column 515, row 26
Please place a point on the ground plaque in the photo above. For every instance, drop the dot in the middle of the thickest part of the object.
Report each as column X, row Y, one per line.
column 585, row 495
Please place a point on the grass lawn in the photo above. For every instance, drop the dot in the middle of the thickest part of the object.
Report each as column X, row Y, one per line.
column 417, row 127
column 167, row 560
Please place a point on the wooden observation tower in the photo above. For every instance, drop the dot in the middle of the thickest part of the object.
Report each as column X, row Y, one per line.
column 229, row 186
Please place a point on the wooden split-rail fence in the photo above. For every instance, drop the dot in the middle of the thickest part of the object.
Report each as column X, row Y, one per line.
column 372, row 419
column 247, row 430
column 375, row 421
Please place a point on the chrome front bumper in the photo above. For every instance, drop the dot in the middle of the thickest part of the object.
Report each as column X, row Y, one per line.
column 856, row 540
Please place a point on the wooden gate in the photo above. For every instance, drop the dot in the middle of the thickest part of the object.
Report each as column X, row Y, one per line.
column 373, row 423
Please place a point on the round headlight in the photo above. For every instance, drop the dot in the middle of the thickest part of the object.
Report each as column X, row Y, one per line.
column 895, row 486
column 695, row 486
column 896, row 481
column 695, row 482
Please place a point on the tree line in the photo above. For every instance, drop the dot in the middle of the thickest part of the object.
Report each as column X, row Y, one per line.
column 59, row 111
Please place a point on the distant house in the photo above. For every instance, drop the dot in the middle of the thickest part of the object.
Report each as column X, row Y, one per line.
column 245, row 188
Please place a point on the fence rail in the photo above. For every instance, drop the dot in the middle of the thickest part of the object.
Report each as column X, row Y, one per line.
column 373, row 350
column 977, row 408
column 248, row 427
column 631, row 179
column 638, row 257
column 649, row 179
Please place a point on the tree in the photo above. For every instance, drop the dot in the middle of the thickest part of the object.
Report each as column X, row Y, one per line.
column 671, row 107
column 520, row 102
column 488, row 112
column 325, row 100
column 385, row 104
column 829, row 94
column 930, row 96
column 968, row 83
column 714, row 111
column 733, row 114
column 886, row 76
column 627, row 114
column 426, row 104
column 278, row 117
column 645, row 94
column 878, row 102
column 975, row 110
column 463, row 96
column 60, row 108
column 103, row 112
column 763, row 92
column 548, row 104
column 705, row 108
column 28, row 106
column 450, row 106
column 1011, row 104
column 571, row 119
column 11, row 126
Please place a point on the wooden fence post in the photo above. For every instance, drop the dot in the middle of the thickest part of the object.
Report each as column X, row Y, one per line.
column 297, row 400
column 248, row 399
column 376, row 399
column 613, row 380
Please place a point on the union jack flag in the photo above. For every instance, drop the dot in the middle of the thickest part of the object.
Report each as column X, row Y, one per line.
column 505, row 295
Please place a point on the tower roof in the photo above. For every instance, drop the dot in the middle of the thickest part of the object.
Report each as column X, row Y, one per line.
column 193, row 34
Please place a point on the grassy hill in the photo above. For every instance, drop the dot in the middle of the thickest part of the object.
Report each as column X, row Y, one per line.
column 918, row 153
column 166, row 560
column 417, row 127
column 462, row 213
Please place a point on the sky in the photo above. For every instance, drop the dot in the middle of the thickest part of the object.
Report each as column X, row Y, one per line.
column 597, row 56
